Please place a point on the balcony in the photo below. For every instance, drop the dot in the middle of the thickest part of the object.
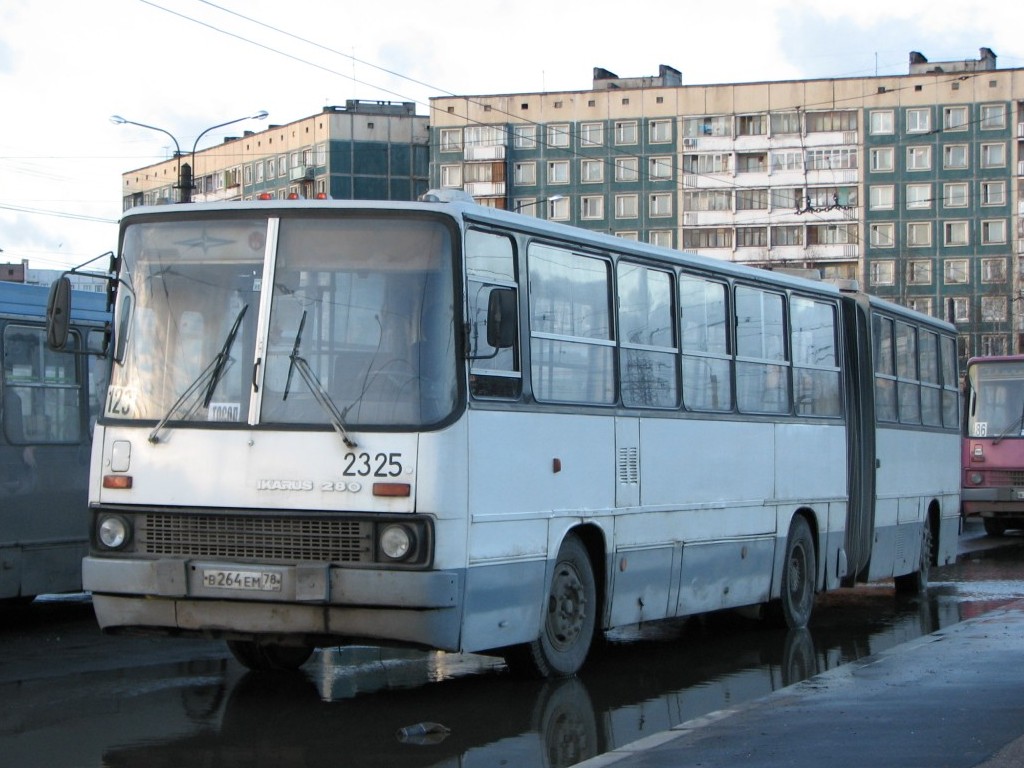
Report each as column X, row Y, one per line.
column 301, row 173
column 485, row 152
column 486, row 188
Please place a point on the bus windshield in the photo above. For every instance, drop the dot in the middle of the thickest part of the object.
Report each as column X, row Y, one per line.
column 293, row 320
column 997, row 400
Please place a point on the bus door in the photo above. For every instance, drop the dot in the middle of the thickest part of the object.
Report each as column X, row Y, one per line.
column 860, row 436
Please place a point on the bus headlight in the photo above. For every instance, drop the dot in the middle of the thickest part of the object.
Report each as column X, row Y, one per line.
column 397, row 542
column 976, row 478
column 112, row 532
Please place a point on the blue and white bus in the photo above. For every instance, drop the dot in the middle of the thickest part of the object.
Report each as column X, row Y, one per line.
column 50, row 401
column 442, row 425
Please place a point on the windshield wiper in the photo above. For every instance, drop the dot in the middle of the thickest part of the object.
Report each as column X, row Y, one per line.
column 209, row 377
column 320, row 394
column 1014, row 426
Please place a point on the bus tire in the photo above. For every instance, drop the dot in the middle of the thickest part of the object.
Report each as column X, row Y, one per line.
column 269, row 657
column 567, row 628
column 796, row 601
column 917, row 582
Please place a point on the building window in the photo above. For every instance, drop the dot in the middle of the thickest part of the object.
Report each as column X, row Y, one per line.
column 451, row 139
column 993, row 193
column 955, row 272
column 660, row 204
column 882, row 272
column 591, row 171
column 881, row 122
column 751, row 125
column 787, row 160
column 716, row 162
column 592, row 207
column 993, row 344
column 993, row 309
column 919, row 196
column 881, row 236
column 625, row 132
column 526, row 206
column 661, row 237
column 558, row 135
column 786, row 197
column 525, row 174
column 659, row 168
column 881, row 159
column 708, row 200
column 955, row 233
column 451, row 176
column 961, row 309
column 993, row 231
column 751, row 237
column 751, row 200
column 787, row 235
column 954, row 156
column 660, row 131
column 832, row 234
column 993, row 270
column 954, row 195
column 919, row 158
column 627, row 169
column 629, row 235
column 919, row 234
column 558, row 209
column 592, row 134
column 920, row 304
column 695, row 127
column 558, row 172
column 881, row 197
column 954, row 119
column 919, row 120
column 525, row 136
column 831, row 158
column 784, row 122
column 627, row 206
column 710, row 237
column 993, row 155
column 993, row 117
column 919, row 272
column 836, row 120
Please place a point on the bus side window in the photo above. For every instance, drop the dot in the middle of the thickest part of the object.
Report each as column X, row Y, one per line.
column 491, row 272
column 885, row 368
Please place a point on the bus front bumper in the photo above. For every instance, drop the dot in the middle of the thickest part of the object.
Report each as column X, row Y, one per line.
column 418, row 607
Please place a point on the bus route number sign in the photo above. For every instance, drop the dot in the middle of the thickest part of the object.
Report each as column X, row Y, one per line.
column 261, row 581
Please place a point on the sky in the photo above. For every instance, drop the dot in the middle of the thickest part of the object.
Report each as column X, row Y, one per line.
column 66, row 66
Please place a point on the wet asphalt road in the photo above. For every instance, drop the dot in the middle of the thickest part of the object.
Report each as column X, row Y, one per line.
column 73, row 697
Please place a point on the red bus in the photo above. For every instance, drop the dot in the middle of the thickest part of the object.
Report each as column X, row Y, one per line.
column 993, row 445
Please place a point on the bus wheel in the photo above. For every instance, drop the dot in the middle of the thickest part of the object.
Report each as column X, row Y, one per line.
column 917, row 582
column 794, row 606
column 269, row 657
column 569, row 618
column 994, row 526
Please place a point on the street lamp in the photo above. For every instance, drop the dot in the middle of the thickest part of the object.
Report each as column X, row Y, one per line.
column 261, row 115
column 118, row 120
column 184, row 186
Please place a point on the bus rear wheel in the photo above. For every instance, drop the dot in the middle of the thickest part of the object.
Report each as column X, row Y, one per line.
column 917, row 582
column 269, row 657
column 794, row 606
column 570, row 610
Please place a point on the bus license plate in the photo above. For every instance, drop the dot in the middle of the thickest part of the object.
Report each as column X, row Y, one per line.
column 261, row 581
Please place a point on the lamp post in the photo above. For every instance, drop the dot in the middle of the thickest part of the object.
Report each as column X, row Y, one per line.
column 118, row 120
column 184, row 185
column 261, row 115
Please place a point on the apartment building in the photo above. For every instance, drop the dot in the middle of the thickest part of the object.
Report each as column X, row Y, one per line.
column 364, row 150
column 911, row 184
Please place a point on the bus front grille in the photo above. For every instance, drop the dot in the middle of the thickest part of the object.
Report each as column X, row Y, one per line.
column 257, row 537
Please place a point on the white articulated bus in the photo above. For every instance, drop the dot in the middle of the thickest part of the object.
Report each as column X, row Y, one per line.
column 443, row 425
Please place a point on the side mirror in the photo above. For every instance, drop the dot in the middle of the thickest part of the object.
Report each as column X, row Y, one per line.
column 58, row 313
column 502, row 318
